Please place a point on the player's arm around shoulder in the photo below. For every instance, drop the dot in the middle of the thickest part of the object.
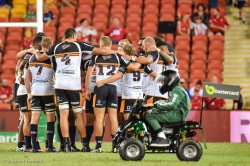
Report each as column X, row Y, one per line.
column 88, row 81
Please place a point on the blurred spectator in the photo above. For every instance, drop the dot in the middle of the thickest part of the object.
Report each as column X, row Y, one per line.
column 5, row 93
column 6, row 3
column 48, row 16
column 238, row 105
column 198, row 85
column 31, row 14
column 217, row 103
column 240, row 5
column 116, row 31
column 160, row 42
column 184, row 85
column 218, row 23
column 85, row 32
column 27, row 41
column 213, row 3
column 196, row 100
column 201, row 11
column 198, row 27
column 183, row 25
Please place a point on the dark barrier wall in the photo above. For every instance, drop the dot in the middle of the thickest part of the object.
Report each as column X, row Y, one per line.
column 217, row 125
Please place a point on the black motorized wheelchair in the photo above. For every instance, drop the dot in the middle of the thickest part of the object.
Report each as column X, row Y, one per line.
column 135, row 134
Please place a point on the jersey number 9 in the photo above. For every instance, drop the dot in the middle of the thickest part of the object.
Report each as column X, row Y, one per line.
column 136, row 76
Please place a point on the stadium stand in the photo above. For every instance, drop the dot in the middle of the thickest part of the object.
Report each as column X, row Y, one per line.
column 139, row 17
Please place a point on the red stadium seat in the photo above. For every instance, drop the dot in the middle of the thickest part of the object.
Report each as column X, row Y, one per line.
column 9, row 65
column 101, row 8
column 170, row 38
column 68, row 10
column 216, row 38
column 216, row 46
column 152, row 17
column 84, row 8
column 183, row 46
column 118, row 8
column 107, row 2
column 167, row 9
column 200, row 47
column 183, row 65
column 151, row 2
column 215, row 72
column 200, row 39
column 197, row 74
column 189, row 2
column 198, row 56
column 184, row 9
column 151, row 8
column 100, row 26
column 181, row 38
column 134, row 8
column 198, row 64
column 89, row 2
column 119, row 2
column 172, row 2
column 216, row 64
column 149, row 28
column 140, row 2
column 133, row 17
column 212, row 57
column 167, row 17
column 133, row 27
column 182, row 56
column 183, row 74
column 3, row 19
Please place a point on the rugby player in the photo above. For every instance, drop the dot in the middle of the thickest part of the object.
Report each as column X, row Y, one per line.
column 68, row 56
column 39, row 85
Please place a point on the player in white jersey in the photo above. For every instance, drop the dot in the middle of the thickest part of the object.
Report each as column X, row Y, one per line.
column 22, row 95
column 68, row 56
column 119, row 85
column 156, row 63
column 132, row 87
column 105, row 95
column 39, row 84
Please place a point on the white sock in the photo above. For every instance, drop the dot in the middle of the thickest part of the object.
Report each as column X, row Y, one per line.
column 161, row 135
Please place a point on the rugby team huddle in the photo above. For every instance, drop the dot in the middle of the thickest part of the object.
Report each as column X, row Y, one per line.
column 49, row 79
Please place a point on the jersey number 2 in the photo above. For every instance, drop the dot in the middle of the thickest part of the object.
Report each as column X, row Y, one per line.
column 111, row 72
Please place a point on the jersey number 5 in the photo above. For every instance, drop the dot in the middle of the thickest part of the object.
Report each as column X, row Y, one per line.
column 66, row 59
column 39, row 70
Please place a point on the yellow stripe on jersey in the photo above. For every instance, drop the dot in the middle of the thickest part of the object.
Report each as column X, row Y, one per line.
column 43, row 64
column 160, row 62
column 131, row 71
column 108, row 64
column 68, row 53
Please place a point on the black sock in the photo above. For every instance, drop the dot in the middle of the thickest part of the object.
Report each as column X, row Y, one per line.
column 27, row 142
column 89, row 132
column 33, row 133
column 103, row 132
column 72, row 134
column 46, row 143
column 84, row 141
column 60, row 134
column 38, row 145
column 66, row 141
column 98, row 142
column 50, row 133
column 20, row 144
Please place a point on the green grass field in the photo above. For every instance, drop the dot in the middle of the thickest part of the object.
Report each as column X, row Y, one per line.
column 217, row 154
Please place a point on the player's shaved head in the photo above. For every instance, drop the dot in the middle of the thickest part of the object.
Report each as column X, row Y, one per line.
column 149, row 40
column 105, row 41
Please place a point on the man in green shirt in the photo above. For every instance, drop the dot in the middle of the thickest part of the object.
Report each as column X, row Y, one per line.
column 173, row 110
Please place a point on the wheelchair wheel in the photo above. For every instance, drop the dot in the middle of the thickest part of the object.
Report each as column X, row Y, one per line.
column 189, row 150
column 132, row 150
